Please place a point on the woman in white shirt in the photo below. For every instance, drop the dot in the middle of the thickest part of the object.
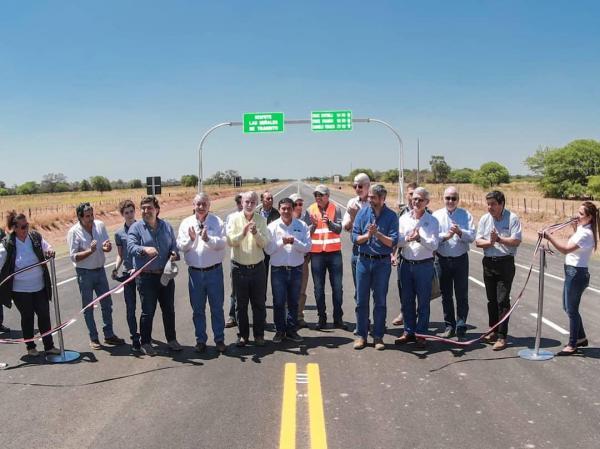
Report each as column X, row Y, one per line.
column 31, row 289
column 578, row 250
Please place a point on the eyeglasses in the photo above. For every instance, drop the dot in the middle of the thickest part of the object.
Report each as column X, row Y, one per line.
column 451, row 198
column 318, row 195
column 23, row 227
column 299, row 204
column 418, row 200
column 358, row 186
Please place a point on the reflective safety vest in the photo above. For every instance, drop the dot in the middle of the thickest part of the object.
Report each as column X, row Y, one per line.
column 323, row 240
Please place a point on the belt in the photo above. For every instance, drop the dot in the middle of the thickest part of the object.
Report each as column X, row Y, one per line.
column 212, row 267
column 247, row 267
column 287, row 267
column 451, row 257
column 416, row 262
column 498, row 258
column 374, row 257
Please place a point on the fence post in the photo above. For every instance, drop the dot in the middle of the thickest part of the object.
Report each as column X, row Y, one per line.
column 525, row 204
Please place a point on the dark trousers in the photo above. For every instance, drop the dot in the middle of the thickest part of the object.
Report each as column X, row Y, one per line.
column 285, row 285
column 151, row 292
column 249, row 286
column 30, row 304
column 454, row 278
column 498, row 275
column 320, row 264
column 130, row 306
column 1, row 314
column 231, row 298
column 576, row 281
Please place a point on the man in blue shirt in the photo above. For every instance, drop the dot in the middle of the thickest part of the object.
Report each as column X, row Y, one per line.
column 124, row 259
column 148, row 238
column 375, row 232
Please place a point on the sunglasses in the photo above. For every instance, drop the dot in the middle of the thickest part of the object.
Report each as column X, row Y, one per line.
column 300, row 203
column 418, row 200
column 358, row 186
column 318, row 195
column 451, row 198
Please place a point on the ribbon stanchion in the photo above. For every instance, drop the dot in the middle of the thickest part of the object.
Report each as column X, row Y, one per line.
column 535, row 353
column 64, row 356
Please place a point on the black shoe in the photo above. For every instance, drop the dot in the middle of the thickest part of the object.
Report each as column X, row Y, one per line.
column 449, row 332
column 200, row 347
column 278, row 337
column 3, row 328
column 241, row 342
column 582, row 342
column 322, row 324
column 293, row 335
column 461, row 332
column 339, row 324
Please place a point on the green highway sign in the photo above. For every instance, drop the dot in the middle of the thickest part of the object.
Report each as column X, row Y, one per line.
column 263, row 122
column 331, row 120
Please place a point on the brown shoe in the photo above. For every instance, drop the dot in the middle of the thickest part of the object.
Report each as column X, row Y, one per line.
column 221, row 346
column 490, row 338
column 230, row 322
column 404, row 338
column 398, row 321
column 379, row 344
column 421, row 343
column 499, row 345
column 359, row 343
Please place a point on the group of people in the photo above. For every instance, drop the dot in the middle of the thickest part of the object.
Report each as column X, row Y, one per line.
column 291, row 242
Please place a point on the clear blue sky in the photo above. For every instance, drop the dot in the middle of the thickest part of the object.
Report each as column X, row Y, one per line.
column 125, row 89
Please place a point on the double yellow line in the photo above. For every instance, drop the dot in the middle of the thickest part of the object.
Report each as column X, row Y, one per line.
column 287, row 437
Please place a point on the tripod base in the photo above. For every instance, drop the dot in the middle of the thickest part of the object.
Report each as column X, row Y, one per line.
column 531, row 354
column 69, row 356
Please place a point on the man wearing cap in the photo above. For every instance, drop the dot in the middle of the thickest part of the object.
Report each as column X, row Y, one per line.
column 289, row 242
column 231, row 322
column 88, row 241
column 457, row 232
column 247, row 234
column 304, row 216
column 326, row 255
column 499, row 234
column 202, row 239
column 375, row 233
column 148, row 238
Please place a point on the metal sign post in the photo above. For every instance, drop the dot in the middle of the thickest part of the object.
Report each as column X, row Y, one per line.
column 322, row 120
column 64, row 356
column 536, row 353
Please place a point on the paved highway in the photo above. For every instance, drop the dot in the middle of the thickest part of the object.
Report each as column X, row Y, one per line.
column 440, row 397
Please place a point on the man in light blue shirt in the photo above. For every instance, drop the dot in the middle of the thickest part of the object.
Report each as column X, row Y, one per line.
column 457, row 232
column 499, row 235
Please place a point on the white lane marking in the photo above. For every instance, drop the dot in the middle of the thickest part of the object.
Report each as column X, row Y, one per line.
column 477, row 281
column 58, row 284
column 553, row 276
column 554, row 326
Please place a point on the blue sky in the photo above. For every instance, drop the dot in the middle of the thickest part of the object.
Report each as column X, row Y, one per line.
column 125, row 89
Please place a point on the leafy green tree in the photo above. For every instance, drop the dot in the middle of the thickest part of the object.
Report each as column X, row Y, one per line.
column 136, row 184
column 491, row 174
column 356, row 171
column 439, row 168
column 390, row 175
column 462, row 176
column 4, row 192
column 50, row 182
column 28, row 188
column 594, row 186
column 100, row 183
column 85, row 186
column 565, row 172
column 189, row 180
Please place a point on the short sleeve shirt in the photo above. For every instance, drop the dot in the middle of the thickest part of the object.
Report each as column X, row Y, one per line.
column 584, row 239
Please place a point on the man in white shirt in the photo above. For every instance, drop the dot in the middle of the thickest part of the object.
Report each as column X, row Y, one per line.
column 419, row 234
column 499, row 235
column 290, row 241
column 202, row 240
column 457, row 232
column 88, row 241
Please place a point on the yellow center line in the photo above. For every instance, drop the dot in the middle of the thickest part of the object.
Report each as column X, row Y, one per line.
column 287, row 436
column 318, row 437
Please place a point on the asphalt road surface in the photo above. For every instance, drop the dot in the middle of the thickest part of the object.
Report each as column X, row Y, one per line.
column 317, row 394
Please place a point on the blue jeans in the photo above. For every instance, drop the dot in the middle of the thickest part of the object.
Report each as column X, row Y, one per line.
column 416, row 284
column 91, row 281
column 372, row 274
column 203, row 284
column 576, row 281
column 285, row 284
column 130, row 306
column 152, row 292
column 320, row 264
column 454, row 275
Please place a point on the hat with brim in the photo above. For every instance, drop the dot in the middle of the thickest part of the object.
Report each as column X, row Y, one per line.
column 322, row 189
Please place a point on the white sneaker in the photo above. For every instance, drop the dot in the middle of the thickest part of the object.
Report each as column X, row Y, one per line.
column 148, row 349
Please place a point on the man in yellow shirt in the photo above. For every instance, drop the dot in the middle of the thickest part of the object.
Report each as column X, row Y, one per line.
column 247, row 234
